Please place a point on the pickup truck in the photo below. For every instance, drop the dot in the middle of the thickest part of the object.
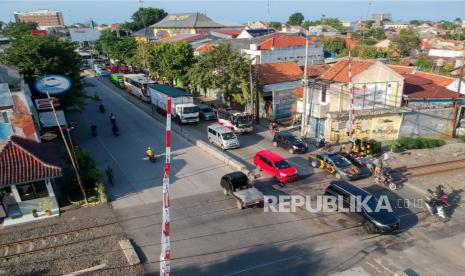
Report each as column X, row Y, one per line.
column 237, row 184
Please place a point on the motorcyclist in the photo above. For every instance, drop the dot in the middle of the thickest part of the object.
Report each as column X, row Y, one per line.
column 115, row 130
column 109, row 172
column 113, row 118
column 101, row 107
column 93, row 128
column 150, row 153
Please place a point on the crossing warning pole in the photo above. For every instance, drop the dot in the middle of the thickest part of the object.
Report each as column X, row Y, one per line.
column 351, row 103
column 165, row 254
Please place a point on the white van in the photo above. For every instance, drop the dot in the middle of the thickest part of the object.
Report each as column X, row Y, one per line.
column 222, row 137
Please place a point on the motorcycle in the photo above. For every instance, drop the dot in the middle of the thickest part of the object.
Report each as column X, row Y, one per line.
column 437, row 203
column 93, row 129
column 273, row 129
column 384, row 178
column 101, row 108
column 320, row 141
column 152, row 158
column 115, row 130
column 113, row 119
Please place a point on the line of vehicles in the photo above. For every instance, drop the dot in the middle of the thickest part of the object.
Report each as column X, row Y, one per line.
column 224, row 135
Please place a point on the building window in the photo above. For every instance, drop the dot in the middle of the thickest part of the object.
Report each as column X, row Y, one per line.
column 323, row 94
column 5, row 118
column 32, row 190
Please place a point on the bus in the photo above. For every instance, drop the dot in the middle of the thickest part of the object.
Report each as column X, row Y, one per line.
column 239, row 122
column 137, row 84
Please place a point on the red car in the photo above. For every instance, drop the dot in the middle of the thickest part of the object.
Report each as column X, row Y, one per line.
column 275, row 166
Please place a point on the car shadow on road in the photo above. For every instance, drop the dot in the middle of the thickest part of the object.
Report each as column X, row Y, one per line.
column 257, row 260
column 405, row 208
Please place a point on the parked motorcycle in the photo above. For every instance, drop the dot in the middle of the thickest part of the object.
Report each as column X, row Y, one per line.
column 384, row 178
column 437, row 203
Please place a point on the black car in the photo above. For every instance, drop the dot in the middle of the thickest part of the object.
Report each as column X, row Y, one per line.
column 289, row 142
column 382, row 221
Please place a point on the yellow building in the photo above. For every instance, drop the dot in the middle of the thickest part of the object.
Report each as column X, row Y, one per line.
column 184, row 23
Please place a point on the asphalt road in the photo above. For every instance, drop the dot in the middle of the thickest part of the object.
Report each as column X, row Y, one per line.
column 211, row 237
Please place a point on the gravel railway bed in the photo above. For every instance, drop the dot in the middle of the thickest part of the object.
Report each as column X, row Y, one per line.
column 80, row 238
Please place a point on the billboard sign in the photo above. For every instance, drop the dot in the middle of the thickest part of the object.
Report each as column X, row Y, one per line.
column 53, row 84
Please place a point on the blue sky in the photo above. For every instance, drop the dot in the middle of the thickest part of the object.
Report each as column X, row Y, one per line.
column 108, row 11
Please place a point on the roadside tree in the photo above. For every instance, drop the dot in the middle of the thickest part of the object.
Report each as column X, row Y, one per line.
column 405, row 41
column 296, row 19
column 36, row 56
column 18, row 29
column 144, row 17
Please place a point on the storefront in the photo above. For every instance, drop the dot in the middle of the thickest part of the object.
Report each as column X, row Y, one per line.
column 379, row 124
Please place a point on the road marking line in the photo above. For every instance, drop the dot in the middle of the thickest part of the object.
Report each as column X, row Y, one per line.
column 265, row 264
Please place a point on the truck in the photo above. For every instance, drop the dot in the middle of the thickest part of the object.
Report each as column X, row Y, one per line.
column 238, row 185
column 117, row 79
column 183, row 108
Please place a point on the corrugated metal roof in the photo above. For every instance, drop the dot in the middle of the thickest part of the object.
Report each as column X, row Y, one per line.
column 187, row 20
column 168, row 90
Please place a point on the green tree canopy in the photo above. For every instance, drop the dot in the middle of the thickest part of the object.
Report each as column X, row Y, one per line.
column 172, row 60
column 223, row 69
column 366, row 52
column 118, row 48
column 275, row 24
column 333, row 22
column 405, row 41
column 424, row 64
column 144, row 17
column 36, row 56
column 296, row 19
column 18, row 29
column 332, row 44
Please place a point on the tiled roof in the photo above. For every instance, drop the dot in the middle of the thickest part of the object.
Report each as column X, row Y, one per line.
column 280, row 72
column 298, row 92
column 207, row 47
column 317, row 69
column 437, row 79
column 23, row 161
column 282, row 41
column 187, row 20
column 420, row 88
column 339, row 72
column 231, row 32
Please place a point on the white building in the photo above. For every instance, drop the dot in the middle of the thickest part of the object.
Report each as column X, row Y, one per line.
column 323, row 30
column 284, row 49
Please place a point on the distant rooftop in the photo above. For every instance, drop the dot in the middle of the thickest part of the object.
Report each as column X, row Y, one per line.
column 187, row 20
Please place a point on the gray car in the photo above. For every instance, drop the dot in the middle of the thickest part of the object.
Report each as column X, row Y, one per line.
column 206, row 112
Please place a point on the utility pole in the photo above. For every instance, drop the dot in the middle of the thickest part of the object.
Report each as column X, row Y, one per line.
column 251, row 89
column 351, row 102
column 303, row 127
column 257, row 96
column 459, row 88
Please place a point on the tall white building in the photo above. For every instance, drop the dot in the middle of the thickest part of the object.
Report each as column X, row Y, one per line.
column 284, row 49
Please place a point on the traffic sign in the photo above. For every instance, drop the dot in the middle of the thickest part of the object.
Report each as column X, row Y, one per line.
column 53, row 84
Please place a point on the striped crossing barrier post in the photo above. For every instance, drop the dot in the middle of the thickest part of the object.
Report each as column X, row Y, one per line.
column 165, row 255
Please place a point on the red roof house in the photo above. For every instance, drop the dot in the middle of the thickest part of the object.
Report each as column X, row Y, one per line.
column 23, row 161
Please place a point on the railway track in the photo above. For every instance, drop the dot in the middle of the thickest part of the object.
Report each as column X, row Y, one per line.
column 434, row 168
column 47, row 242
